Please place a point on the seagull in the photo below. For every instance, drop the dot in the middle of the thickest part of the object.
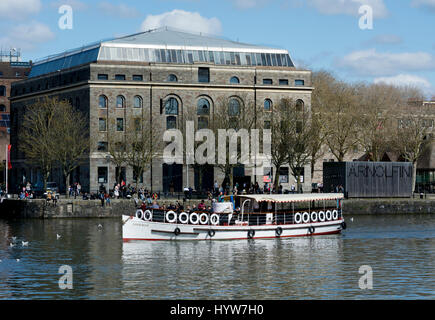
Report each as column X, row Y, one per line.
column 18, row 260
column 100, row 226
column 351, row 219
column 14, row 238
column 11, row 244
column 25, row 243
column 58, row 235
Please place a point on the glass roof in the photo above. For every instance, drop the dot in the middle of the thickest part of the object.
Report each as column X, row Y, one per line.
column 166, row 45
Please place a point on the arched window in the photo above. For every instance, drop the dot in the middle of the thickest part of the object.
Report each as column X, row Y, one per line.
column 102, row 102
column 120, row 102
column 171, row 106
column 299, row 105
column 172, row 78
column 138, row 102
column 2, row 108
column 203, row 107
column 2, row 91
column 234, row 80
column 267, row 105
column 171, row 122
column 234, row 107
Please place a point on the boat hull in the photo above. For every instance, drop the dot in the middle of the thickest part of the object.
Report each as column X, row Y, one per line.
column 135, row 229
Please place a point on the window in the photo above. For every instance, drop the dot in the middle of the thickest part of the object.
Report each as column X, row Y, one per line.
column 120, row 102
column 234, row 80
column 102, row 124
column 171, row 122
column 120, row 77
column 137, row 125
column 203, row 107
column 137, row 173
column 299, row 83
column 267, row 105
column 202, row 123
column 234, row 107
column 267, row 81
column 138, row 102
column 2, row 91
column 102, row 102
column 2, row 108
column 203, row 74
column 119, row 124
column 267, row 124
column 283, row 174
column 102, row 146
column 171, row 106
column 103, row 77
column 299, row 126
column 283, row 82
column 172, row 78
column 102, row 174
column 137, row 77
column 299, row 105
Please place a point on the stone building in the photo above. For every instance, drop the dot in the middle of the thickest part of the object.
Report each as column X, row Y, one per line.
column 162, row 72
column 11, row 69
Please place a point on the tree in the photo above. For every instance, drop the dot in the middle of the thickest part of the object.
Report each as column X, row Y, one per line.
column 71, row 141
column 36, row 136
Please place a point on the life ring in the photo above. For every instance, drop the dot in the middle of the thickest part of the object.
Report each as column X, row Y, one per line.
column 314, row 216
column 183, row 220
column 329, row 215
column 343, row 225
column 278, row 231
column 139, row 214
column 203, row 218
column 306, row 217
column 177, row 231
column 168, row 216
column 334, row 215
column 214, row 219
column 321, row 216
column 211, row 233
column 298, row 217
column 311, row 229
column 194, row 218
column 251, row 234
column 147, row 216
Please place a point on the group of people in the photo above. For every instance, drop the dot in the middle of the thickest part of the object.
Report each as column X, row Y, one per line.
column 75, row 190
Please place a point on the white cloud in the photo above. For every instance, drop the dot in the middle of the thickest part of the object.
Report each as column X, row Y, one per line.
column 348, row 7
column 27, row 36
column 430, row 4
column 373, row 63
column 189, row 21
column 19, row 9
column 121, row 10
column 405, row 80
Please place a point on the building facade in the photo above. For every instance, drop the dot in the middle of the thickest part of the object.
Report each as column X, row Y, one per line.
column 163, row 73
column 11, row 70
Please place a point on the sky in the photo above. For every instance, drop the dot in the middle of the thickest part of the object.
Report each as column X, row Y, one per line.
column 396, row 46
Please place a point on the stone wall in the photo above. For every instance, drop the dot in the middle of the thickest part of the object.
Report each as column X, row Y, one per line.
column 387, row 206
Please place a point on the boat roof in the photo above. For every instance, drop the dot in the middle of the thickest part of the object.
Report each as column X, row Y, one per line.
column 293, row 197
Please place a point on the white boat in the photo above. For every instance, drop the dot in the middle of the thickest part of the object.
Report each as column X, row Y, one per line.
column 262, row 216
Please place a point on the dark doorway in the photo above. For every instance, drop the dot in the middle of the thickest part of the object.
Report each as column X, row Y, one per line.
column 204, row 177
column 172, row 177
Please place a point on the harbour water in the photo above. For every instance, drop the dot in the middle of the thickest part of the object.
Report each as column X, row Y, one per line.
column 400, row 250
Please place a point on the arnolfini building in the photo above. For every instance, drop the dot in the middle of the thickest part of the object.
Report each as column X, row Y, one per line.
column 135, row 75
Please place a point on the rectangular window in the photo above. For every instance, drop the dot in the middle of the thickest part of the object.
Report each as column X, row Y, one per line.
column 103, row 77
column 102, row 146
column 299, row 82
column 266, row 124
column 283, row 175
column 267, row 81
column 102, row 125
column 203, row 74
column 119, row 124
column 137, row 174
column 301, row 172
column 137, row 124
column 120, row 77
column 137, row 77
column 102, row 174
column 283, row 82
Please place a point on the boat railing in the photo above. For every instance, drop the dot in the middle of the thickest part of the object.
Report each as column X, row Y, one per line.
column 252, row 219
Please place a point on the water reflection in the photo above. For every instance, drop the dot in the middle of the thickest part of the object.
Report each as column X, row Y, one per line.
column 400, row 250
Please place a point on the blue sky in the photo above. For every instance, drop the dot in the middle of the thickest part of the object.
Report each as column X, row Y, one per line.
column 319, row 34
